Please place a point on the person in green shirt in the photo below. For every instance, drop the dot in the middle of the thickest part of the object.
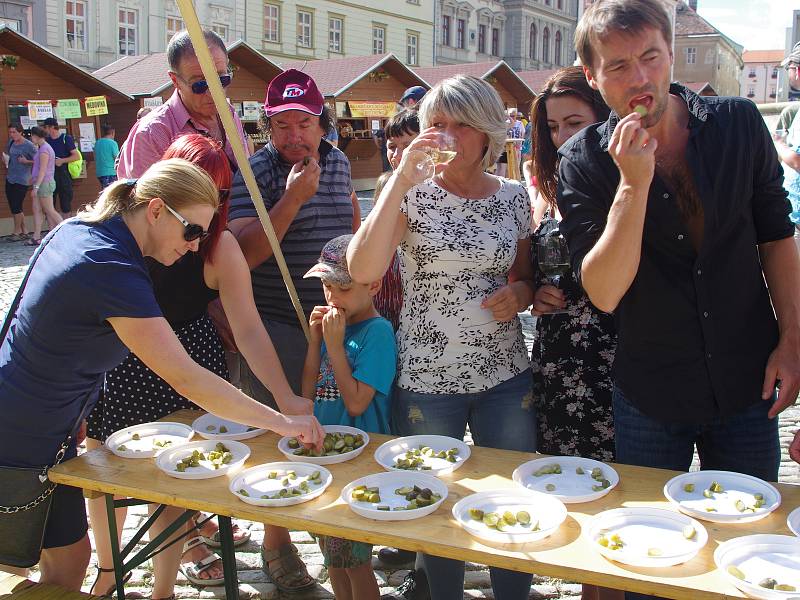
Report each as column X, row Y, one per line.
column 106, row 151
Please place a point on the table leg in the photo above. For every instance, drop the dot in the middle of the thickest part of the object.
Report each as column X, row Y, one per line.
column 119, row 574
column 228, row 558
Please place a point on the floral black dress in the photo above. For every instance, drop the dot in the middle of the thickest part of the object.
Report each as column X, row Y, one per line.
column 571, row 361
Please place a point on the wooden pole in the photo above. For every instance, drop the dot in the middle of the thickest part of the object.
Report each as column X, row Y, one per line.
column 511, row 158
column 211, row 76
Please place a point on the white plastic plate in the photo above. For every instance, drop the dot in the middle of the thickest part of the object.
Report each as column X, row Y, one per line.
column 651, row 537
column 168, row 459
column 570, row 486
column 283, row 446
column 546, row 512
column 388, row 453
column 387, row 484
column 793, row 521
column 209, row 427
column 148, row 433
column 758, row 557
column 721, row 507
column 256, row 483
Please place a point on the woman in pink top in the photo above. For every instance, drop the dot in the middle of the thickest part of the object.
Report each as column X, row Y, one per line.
column 44, row 184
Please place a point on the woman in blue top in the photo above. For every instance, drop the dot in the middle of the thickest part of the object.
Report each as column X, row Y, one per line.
column 87, row 302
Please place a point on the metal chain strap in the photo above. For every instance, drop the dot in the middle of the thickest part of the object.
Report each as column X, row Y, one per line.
column 10, row 510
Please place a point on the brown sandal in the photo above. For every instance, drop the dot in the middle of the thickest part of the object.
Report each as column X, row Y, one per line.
column 286, row 570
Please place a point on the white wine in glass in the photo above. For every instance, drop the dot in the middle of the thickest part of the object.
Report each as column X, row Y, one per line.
column 440, row 156
column 425, row 161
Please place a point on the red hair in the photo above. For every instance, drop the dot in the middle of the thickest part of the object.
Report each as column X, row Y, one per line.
column 208, row 154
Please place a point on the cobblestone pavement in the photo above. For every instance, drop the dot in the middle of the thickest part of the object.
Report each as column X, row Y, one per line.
column 253, row 582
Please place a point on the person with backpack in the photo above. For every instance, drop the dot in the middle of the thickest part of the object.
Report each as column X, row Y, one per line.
column 64, row 148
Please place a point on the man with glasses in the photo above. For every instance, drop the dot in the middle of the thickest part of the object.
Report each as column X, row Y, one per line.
column 190, row 109
column 787, row 139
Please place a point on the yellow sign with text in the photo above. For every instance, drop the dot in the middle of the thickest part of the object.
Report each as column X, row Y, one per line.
column 96, row 105
column 372, row 109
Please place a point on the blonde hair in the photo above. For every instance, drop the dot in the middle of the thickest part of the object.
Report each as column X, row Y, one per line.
column 380, row 183
column 472, row 101
column 176, row 181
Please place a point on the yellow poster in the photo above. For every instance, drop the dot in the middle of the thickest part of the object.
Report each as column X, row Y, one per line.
column 38, row 110
column 372, row 109
column 96, row 105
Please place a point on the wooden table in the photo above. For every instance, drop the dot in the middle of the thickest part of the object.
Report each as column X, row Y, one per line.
column 565, row 554
column 14, row 587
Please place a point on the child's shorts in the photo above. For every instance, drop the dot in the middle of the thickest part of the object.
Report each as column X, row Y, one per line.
column 344, row 554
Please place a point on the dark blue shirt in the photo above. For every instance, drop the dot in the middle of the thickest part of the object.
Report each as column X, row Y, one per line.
column 695, row 328
column 60, row 343
column 62, row 146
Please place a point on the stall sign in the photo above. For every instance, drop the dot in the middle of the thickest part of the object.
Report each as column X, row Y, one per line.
column 153, row 102
column 341, row 109
column 95, row 106
column 250, row 110
column 372, row 109
column 69, row 108
column 27, row 122
column 39, row 110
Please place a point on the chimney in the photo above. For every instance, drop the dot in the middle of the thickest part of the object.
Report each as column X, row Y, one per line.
column 693, row 5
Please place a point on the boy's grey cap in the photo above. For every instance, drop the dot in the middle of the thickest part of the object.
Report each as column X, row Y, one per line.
column 332, row 263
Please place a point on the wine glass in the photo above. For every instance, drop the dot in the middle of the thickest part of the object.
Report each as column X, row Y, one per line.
column 553, row 258
column 425, row 161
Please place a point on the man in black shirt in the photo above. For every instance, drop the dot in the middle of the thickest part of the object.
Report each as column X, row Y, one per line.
column 675, row 215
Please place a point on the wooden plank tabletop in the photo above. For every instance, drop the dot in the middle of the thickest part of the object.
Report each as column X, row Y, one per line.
column 565, row 554
column 14, row 587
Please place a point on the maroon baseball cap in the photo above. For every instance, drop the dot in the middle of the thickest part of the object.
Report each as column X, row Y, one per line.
column 293, row 90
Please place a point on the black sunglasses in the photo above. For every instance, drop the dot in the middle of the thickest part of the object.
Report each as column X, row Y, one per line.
column 191, row 231
column 201, row 86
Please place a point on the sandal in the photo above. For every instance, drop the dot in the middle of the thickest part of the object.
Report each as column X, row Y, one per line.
column 240, row 536
column 32, row 242
column 110, row 592
column 286, row 570
column 192, row 571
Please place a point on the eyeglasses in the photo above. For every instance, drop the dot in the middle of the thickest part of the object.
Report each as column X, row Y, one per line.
column 201, row 86
column 191, row 231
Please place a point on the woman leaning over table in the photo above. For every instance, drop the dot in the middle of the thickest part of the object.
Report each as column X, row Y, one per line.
column 89, row 301
column 464, row 239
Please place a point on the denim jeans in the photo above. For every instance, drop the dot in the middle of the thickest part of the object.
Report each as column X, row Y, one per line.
column 500, row 417
column 746, row 442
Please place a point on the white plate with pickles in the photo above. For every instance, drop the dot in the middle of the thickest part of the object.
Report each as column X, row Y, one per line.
column 762, row 566
column 514, row 516
column 148, row 439
column 431, row 454
column 341, row 444
column 722, row 496
column 793, row 521
column 203, row 460
column 395, row 496
column 571, row 479
column 216, row 428
column 645, row 537
column 281, row 483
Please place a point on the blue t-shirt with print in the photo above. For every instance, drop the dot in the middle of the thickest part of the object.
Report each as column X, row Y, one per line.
column 372, row 355
column 60, row 343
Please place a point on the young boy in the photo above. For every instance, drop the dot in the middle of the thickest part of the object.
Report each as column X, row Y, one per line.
column 348, row 373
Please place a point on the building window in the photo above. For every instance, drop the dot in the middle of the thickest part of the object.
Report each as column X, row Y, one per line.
column 412, row 43
column 772, row 91
column 14, row 24
column 174, row 25
column 557, row 52
column 461, row 34
column 774, row 72
column 481, row 39
column 691, row 56
column 445, row 30
column 378, row 39
column 127, row 32
column 221, row 30
column 76, row 24
column 751, row 91
column 752, row 72
column 534, row 39
column 272, row 20
column 560, row 4
column 546, row 45
column 304, row 28
column 335, row 25
column 412, row 2
column 495, row 41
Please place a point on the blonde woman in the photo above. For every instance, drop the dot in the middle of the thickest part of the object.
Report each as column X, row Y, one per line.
column 88, row 301
column 44, row 185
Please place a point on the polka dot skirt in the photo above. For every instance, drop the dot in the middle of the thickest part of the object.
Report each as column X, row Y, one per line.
column 134, row 394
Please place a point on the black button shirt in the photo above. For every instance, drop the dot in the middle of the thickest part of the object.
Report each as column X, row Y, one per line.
column 695, row 328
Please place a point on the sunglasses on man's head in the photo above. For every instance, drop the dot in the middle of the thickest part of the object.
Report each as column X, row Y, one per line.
column 191, row 231
column 201, row 86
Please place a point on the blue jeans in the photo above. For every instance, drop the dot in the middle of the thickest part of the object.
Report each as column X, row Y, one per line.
column 746, row 442
column 500, row 417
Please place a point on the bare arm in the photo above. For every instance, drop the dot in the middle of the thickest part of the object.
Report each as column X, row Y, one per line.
column 788, row 155
column 781, row 266
column 356, row 211
column 228, row 273
column 314, row 352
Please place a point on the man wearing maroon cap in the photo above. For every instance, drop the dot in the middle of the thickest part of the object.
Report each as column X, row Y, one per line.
column 306, row 186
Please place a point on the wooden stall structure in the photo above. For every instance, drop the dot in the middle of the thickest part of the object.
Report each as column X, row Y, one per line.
column 364, row 90
column 145, row 79
column 30, row 73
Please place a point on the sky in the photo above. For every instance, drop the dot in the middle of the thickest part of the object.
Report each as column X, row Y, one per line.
column 755, row 24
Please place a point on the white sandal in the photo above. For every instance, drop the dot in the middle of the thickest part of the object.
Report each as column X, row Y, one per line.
column 192, row 571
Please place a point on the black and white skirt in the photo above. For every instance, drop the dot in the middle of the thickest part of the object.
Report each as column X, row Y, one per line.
column 134, row 394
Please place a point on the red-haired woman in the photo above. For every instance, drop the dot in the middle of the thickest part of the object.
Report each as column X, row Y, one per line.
column 134, row 394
